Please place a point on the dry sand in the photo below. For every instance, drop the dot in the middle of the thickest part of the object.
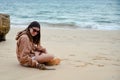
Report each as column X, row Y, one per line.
column 85, row 55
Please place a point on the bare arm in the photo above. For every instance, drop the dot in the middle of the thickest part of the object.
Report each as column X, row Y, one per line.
column 41, row 49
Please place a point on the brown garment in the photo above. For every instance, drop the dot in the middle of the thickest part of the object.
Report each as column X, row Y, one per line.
column 24, row 51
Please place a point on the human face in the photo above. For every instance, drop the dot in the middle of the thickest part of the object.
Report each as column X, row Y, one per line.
column 34, row 31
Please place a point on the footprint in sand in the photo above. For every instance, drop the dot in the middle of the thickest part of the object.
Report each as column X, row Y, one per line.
column 72, row 55
column 78, row 61
column 84, row 64
column 100, row 65
column 100, row 58
column 116, row 64
column 65, row 59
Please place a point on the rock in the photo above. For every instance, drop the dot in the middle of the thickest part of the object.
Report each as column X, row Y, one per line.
column 4, row 26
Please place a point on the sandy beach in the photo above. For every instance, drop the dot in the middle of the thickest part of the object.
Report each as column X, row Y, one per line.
column 85, row 55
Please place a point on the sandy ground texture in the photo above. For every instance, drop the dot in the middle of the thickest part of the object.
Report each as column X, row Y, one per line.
column 85, row 55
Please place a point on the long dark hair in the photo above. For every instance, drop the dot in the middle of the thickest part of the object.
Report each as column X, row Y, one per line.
column 34, row 39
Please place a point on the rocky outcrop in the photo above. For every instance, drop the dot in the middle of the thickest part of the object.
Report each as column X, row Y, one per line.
column 4, row 26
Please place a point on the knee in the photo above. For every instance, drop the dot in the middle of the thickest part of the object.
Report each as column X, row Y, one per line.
column 51, row 56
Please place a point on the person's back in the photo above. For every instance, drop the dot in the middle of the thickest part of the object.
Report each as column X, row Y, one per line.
column 24, row 47
column 29, row 51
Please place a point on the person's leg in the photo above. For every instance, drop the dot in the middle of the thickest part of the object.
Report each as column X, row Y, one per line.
column 54, row 61
column 44, row 58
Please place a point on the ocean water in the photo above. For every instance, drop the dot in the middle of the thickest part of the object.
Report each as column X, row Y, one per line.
column 85, row 14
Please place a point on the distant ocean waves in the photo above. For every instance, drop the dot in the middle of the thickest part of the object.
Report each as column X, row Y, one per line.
column 71, row 25
column 74, row 14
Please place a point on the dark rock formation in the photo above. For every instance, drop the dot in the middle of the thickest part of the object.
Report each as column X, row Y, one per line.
column 4, row 26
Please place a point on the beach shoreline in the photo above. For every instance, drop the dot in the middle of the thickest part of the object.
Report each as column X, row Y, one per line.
column 85, row 55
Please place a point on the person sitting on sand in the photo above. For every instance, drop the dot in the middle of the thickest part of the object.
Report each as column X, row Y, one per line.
column 29, row 51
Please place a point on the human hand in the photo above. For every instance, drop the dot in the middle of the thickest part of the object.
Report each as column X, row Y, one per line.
column 36, row 53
